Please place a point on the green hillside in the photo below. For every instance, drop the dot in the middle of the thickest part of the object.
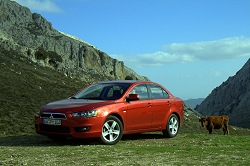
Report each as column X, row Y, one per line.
column 25, row 87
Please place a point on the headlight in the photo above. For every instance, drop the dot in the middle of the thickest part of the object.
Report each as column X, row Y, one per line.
column 85, row 114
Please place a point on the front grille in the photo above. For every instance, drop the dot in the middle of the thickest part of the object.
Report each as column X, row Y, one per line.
column 53, row 115
column 57, row 129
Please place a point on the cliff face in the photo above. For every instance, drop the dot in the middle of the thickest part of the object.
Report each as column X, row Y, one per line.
column 231, row 98
column 35, row 38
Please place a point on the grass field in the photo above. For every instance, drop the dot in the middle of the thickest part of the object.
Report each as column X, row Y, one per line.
column 139, row 149
column 192, row 146
column 25, row 87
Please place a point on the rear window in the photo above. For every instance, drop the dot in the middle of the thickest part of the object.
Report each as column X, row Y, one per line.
column 141, row 90
column 157, row 92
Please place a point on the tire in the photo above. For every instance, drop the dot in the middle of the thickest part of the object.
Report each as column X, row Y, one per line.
column 112, row 131
column 172, row 127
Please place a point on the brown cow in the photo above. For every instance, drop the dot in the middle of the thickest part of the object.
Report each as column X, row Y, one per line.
column 215, row 122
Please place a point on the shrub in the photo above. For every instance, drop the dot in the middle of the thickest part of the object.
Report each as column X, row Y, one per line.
column 42, row 54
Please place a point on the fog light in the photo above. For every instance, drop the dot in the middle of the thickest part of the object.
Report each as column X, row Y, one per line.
column 82, row 129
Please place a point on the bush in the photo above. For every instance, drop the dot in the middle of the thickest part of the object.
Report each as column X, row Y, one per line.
column 42, row 54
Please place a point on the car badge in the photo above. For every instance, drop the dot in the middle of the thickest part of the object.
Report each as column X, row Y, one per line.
column 51, row 116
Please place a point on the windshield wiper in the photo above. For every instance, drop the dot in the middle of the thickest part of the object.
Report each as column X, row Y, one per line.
column 91, row 98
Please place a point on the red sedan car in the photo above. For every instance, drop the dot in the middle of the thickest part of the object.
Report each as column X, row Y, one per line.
column 107, row 110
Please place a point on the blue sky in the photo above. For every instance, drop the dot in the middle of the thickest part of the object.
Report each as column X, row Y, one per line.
column 188, row 46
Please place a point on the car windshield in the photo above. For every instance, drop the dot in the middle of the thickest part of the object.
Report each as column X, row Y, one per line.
column 103, row 91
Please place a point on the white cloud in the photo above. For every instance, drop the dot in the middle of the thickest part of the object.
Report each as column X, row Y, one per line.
column 216, row 73
column 229, row 48
column 40, row 5
column 160, row 57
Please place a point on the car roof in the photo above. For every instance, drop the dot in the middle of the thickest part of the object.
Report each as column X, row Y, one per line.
column 126, row 81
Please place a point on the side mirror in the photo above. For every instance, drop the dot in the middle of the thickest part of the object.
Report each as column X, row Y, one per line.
column 133, row 97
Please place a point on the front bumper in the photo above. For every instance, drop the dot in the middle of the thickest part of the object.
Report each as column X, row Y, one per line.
column 72, row 127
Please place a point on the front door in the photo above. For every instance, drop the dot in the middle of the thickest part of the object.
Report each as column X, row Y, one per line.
column 139, row 113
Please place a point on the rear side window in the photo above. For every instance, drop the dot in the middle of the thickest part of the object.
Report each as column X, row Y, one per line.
column 141, row 90
column 157, row 92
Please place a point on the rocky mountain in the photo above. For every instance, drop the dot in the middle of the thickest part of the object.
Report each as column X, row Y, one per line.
column 231, row 98
column 35, row 38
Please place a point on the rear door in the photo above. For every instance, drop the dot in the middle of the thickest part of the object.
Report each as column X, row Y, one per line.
column 160, row 104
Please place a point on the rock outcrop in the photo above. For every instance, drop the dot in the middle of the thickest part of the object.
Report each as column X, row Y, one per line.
column 34, row 37
column 231, row 98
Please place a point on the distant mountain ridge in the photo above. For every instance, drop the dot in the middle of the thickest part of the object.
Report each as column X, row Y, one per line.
column 34, row 37
column 193, row 102
column 231, row 98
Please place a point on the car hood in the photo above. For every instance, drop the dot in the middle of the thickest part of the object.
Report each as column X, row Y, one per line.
column 69, row 105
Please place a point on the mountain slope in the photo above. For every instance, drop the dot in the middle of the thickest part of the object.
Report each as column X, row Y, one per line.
column 25, row 87
column 34, row 37
column 231, row 98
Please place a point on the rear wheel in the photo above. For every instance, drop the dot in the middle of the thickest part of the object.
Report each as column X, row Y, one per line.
column 172, row 127
column 112, row 131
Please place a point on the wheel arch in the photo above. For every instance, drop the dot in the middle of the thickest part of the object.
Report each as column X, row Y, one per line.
column 118, row 116
column 179, row 112
column 112, row 133
column 178, row 116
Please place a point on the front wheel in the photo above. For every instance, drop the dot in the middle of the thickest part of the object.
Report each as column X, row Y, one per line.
column 172, row 126
column 112, row 131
